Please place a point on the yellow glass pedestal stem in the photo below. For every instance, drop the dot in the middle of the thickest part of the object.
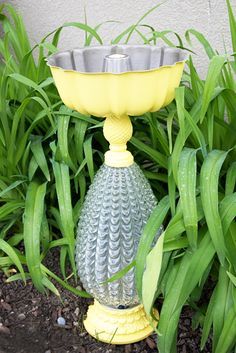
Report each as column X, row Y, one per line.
column 118, row 131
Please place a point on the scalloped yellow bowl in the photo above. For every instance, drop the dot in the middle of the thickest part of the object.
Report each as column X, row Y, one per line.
column 103, row 94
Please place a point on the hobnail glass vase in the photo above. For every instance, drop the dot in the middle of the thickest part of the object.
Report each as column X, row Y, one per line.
column 116, row 208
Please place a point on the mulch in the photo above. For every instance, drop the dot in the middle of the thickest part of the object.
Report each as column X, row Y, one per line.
column 28, row 324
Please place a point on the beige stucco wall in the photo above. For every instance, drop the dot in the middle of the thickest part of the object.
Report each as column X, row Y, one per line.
column 207, row 16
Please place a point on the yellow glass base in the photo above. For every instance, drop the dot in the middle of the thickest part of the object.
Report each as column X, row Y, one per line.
column 118, row 326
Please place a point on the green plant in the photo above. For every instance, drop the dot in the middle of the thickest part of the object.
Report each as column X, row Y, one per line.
column 49, row 155
column 37, row 132
column 202, row 201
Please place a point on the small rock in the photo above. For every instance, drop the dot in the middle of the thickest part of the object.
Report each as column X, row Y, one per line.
column 5, row 306
column 4, row 329
column 59, row 311
column 75, row 323
column 79, row 288
column 151, row 344
column 35, row 312
column 76, row 311
column 21, row 316
column 65, row 310
column 48, row 351
column 61, row 321
column 54, row 315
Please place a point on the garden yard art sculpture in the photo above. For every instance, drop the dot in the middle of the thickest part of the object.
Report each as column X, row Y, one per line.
column 115, row 82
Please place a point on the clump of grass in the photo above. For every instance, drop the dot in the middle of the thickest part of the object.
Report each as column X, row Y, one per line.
column 49, row 155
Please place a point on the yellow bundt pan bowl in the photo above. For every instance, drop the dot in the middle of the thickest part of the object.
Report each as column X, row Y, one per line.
column 149, row 83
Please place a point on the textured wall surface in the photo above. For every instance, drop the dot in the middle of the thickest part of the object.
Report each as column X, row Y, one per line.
column 207, row 16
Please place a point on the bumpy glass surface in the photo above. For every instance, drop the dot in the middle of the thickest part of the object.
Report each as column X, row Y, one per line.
column 116, row 208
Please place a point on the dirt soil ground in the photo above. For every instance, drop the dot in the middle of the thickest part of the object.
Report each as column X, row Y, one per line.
column 28, row 324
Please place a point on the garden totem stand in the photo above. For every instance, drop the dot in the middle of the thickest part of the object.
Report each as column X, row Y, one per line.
column 115, row 82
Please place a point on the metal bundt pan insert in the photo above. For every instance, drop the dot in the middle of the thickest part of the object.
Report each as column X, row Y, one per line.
column 142, row 57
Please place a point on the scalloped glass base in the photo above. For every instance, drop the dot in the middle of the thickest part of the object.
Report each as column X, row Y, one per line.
column 118, row 326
